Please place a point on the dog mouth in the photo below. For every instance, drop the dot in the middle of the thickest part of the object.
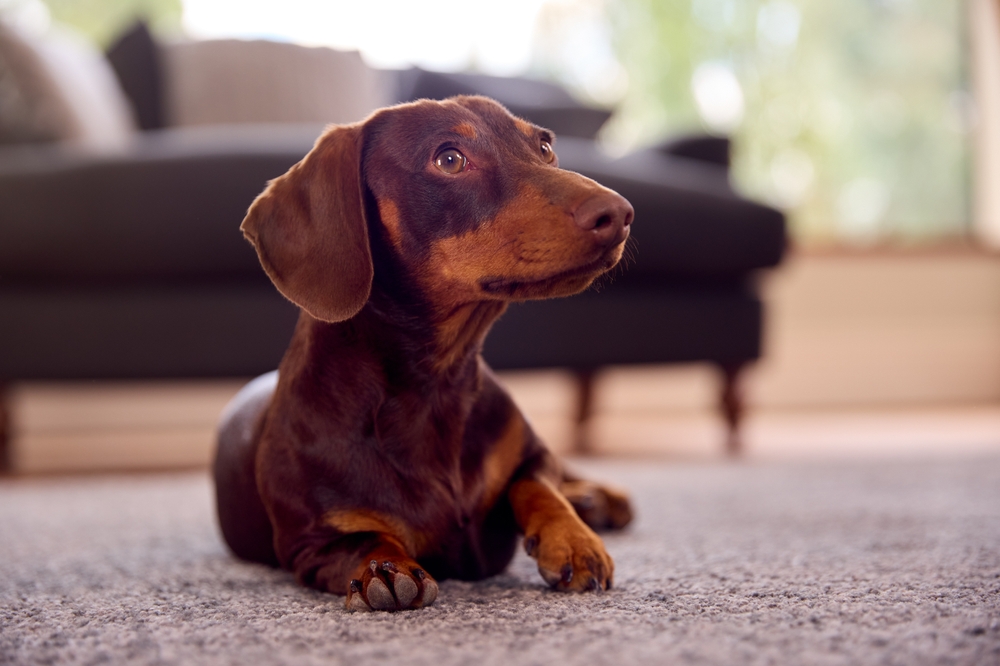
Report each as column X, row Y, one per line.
column 584, row 275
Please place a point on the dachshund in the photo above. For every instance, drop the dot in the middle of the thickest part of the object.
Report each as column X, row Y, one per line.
column 383, row 455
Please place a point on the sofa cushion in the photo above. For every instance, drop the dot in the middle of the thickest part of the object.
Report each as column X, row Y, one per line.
column 674, row 323
column 542, row 103
column 258, row 81
column 30, row 107
column 135, row 58
column 66, row 88
column 125, row 331
column 23, row 115
column 689, row 222
column 704, row 147
column 170, row 210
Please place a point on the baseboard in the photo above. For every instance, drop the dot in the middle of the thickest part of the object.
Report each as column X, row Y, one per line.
column 66, row 427
column 58, row 427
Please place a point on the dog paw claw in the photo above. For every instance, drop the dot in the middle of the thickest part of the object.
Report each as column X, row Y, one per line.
column 355, row 601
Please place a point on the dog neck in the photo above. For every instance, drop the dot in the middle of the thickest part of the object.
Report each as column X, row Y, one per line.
column 413, row 343
column 437, row 342
column 459, row 333
column 441, row 331
column 410, row 371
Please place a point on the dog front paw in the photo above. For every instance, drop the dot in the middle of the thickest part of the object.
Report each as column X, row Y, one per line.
column 391, row 586
column 570, row 556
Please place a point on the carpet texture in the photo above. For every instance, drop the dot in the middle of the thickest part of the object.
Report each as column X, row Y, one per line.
column 768, row 563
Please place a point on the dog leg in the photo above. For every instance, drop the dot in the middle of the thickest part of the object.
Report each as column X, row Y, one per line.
column 601, row 507
column 570, row 555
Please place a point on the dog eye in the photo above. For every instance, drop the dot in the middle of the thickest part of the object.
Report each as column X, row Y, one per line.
column 547, row 153
column 451, row 161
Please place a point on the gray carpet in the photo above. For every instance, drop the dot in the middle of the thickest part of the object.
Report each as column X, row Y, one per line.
column 775, row 563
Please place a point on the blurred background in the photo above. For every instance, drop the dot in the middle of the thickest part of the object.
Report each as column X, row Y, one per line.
column 872, row 126
column 856, row 118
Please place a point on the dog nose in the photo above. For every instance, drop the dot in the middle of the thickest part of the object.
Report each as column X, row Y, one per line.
column 607, row 215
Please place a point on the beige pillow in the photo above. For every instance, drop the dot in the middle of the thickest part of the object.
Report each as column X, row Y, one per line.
column 59, row 87
column 258, row 81
column 29, row 108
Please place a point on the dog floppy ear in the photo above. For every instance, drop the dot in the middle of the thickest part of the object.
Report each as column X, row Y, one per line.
column 309, row 229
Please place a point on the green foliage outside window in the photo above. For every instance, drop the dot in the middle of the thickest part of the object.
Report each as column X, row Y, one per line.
column 851, row 114
column 103, row 20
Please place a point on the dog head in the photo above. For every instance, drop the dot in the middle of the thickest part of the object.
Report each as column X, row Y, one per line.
column 469, row 199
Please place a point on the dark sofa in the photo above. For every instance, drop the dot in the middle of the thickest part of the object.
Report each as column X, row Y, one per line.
column 132, row 265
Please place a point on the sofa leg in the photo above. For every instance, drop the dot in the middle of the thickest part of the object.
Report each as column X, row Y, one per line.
column 732, row 405
column 4, row 430
column 584, row 410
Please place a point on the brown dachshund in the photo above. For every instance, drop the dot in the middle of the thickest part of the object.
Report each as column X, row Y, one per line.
column 384, row 454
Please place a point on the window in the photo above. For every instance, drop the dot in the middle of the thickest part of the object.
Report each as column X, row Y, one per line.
column 853, row 115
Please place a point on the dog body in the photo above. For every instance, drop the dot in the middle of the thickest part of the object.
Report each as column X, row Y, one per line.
column 384, row 454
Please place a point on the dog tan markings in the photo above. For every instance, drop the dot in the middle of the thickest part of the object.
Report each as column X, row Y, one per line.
column 465, row 129
column 389, row 212
column 385, row 456
column 527, row 129
column 524, row 245
column 462, row 328
column 570, row 555
column 502, row 460
column 365, row 520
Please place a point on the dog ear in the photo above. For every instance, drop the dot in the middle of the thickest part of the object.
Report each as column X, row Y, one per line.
column 309, row 229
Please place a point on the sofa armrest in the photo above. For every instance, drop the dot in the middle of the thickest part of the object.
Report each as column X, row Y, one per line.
column 689, row 222
column 541, row 102
column 168, row 209
column 703, row 147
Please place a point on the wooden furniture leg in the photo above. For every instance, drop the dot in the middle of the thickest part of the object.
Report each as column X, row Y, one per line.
column 732, row 405
column 4, row 430
column 584, row 410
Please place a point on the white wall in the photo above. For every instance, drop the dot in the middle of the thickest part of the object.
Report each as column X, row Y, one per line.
column 882, row 329
column 854, row 330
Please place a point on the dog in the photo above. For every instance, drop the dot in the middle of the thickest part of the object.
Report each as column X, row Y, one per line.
column 383, row 455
